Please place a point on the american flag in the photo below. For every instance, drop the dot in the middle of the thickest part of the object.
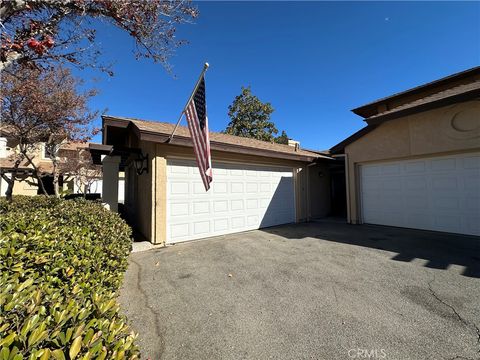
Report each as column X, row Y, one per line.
column 196, row 112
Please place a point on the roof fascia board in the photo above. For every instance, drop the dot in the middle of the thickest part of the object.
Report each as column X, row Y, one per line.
column 419, row 89
column 469, row 95
column 109, row 121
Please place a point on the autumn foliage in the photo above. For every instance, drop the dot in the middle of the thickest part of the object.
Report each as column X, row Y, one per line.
column 51, row 31
column 43, row 106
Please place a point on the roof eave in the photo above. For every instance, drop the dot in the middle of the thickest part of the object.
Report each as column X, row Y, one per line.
column 466, row 96
column 366, row 110
column 219, row 146
column 178, row 140
column 115, row 121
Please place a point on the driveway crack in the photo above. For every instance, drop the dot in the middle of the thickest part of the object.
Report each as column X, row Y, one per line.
column 468, row 325
column 156, row 315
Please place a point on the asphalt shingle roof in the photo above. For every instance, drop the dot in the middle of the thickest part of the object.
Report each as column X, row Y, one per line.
column 165, row 128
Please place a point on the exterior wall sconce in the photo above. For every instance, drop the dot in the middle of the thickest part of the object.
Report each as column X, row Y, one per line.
column 141, row 164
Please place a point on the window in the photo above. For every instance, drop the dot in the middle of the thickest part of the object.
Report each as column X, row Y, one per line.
column 49, row 151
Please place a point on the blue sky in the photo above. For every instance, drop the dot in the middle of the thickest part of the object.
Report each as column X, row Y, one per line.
column 314, row 61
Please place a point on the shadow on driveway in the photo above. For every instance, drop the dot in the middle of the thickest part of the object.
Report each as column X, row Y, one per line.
column 440, row 250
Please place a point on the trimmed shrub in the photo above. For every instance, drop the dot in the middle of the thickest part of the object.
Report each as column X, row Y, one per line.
column 61, row 264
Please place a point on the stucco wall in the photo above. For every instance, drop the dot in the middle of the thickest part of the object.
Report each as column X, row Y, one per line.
column 450, row 129
column 20, row 187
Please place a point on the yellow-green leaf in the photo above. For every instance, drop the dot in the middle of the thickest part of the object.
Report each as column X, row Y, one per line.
column 58, row 354
column 75, row 348
column 46, row 354
column 8, row 340
column 25, row 284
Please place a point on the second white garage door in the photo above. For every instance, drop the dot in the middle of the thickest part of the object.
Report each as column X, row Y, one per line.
column 439, row 193
column 242, row 197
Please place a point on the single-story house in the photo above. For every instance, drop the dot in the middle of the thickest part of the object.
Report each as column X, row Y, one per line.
column 417, row 162
column 256, row 183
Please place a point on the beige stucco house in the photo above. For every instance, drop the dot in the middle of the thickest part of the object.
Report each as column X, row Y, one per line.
column 27, row 186
column 417, row 162
column 26, row 183
column 256, row 183
column 41, row 159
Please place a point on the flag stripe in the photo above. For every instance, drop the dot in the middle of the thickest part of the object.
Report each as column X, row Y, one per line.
column 196, row 127
column 205, row 184
column 198, row 138
column 196, row 113
column 198, row 150
column 194, row 134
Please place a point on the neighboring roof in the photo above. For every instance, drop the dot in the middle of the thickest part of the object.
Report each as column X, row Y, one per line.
column 450, row 96
column 5, row 131
column 370, row 109
column 44, row 167
column 160, row 132
column 320, row 152
column 74, row 146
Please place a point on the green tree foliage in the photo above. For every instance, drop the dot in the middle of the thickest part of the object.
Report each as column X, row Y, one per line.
column 250, row 117
column 282, row 139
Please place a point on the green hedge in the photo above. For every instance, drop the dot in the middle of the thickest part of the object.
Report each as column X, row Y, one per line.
column 61, row 263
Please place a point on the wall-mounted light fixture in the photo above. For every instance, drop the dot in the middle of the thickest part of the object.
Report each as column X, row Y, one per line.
column 141, row 163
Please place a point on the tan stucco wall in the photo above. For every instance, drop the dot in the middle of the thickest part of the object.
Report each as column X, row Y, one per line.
column 442, row 131
column 24, row 188
column 20, row 187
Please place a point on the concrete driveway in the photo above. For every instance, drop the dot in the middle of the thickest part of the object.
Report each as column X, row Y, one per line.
column 323, row 290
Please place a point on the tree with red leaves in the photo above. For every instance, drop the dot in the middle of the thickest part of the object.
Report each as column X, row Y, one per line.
column 45, row 32
column 43, row 106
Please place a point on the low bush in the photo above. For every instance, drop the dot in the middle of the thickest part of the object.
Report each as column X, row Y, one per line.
column 61, row 264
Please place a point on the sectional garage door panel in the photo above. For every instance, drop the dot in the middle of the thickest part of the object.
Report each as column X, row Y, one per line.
column 441, row 193
column 242, row 197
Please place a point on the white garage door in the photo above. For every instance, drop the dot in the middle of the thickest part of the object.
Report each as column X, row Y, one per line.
column 441, row 193
column 242, row 197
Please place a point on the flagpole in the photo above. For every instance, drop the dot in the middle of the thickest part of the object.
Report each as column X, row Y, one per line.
column 205, row 67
